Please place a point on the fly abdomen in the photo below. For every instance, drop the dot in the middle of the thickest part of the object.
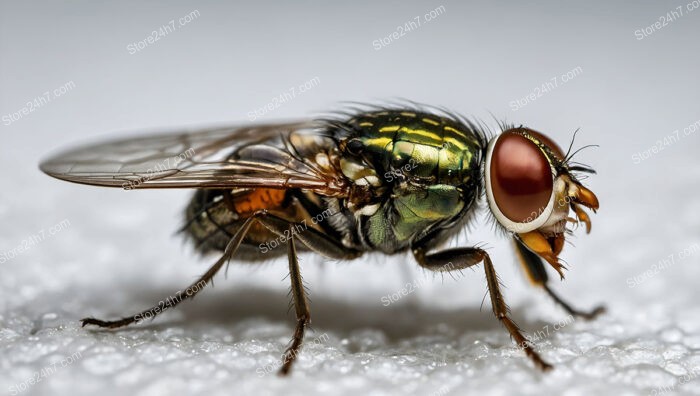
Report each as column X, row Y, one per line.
column 214, row 216
column 209, row 220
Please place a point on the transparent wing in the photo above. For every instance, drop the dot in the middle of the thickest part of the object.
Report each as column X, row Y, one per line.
column 272, row 156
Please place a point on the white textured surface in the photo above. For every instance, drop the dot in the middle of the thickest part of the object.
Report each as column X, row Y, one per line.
column 118, row 255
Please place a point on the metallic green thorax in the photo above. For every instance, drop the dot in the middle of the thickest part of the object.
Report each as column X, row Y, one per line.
column 425, row 167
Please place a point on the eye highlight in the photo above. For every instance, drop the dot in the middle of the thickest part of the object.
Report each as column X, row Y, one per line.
column 520, row 180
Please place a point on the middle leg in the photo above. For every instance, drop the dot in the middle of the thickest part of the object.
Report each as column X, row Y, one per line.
column 317, row 242
column 301, row 308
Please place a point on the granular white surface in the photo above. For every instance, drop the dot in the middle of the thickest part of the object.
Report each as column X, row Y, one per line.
column 117, row 253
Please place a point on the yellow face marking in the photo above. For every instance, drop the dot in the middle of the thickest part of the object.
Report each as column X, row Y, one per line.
column 366, row 124
column 430, row 121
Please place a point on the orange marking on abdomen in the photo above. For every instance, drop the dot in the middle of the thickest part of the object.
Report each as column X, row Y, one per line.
column 258, row 199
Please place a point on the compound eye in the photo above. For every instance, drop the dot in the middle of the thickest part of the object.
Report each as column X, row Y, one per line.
column 520, row 179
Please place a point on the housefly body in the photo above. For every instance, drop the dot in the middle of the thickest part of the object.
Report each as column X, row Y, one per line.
column 373, row 179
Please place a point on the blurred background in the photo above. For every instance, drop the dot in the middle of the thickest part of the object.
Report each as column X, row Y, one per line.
column 626, row 75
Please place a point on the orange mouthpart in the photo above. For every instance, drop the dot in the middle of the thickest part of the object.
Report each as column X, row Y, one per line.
column 586, row 198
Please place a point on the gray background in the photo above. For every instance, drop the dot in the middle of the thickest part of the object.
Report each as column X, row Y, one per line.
column 119, row 255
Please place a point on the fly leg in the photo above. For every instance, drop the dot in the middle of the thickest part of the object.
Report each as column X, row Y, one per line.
column 301, row 308
column 460, row 258
column 195, row 288
column 313, row 239
column 317, row 242
column 534, row 267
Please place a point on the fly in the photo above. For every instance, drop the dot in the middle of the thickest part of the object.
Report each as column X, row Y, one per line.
column 387, row 180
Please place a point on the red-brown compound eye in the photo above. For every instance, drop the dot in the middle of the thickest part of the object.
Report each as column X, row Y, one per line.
column 520, row 178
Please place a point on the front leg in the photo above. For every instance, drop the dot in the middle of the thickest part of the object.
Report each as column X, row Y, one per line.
column 534, row 267
column 460, row 258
